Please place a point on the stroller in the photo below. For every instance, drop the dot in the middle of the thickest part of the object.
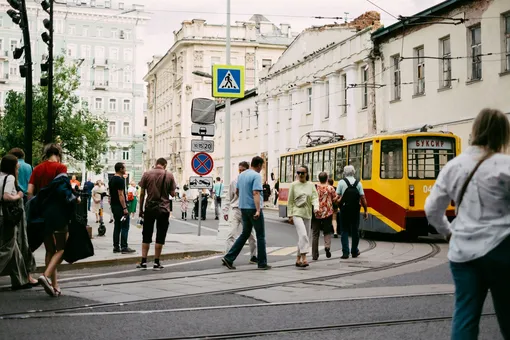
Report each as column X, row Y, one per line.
column 194, row 212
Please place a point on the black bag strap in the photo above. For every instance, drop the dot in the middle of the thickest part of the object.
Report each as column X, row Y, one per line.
column 468, row 179
column 349, row 183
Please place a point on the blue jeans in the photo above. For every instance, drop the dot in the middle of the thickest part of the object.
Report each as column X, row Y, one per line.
column 472, row 281
column 349, row 225
column 121, row 228
column 248, row 224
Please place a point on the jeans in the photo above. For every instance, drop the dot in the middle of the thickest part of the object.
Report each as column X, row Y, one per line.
column 472, row 281
column 248, row 224
column 120, row 229
column 349, row 224
column 236, row 226
column 89, row 201
column 217, row 206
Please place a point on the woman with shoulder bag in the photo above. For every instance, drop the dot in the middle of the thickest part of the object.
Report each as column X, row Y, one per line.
column 478, row 181
column 16, row 259
column 302, row 200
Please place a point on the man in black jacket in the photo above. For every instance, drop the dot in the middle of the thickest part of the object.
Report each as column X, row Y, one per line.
column 118, row 202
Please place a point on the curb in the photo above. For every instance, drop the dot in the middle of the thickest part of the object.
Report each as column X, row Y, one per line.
column 129, row 260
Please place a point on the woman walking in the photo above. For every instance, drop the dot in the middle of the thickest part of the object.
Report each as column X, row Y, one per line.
column 302, row 200
column 323, row 219
column 184, row 206
column 478, row 181
column 97, row 191
column 132, row 197
column 16, row 259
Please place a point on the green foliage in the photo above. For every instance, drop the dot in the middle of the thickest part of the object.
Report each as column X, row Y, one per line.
column 83, row 135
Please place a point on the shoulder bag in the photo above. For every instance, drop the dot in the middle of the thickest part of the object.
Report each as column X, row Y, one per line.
column 153, row 207
column 12, row 211
column 468, row 179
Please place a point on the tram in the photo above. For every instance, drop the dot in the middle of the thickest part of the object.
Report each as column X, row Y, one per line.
column 397, row 172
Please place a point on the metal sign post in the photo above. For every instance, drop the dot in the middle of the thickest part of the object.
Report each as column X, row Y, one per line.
column 199, row 211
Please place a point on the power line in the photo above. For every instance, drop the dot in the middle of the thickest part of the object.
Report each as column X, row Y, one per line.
column 382, row 9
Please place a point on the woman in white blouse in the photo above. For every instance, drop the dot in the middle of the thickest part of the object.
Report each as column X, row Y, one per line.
column 478, row 181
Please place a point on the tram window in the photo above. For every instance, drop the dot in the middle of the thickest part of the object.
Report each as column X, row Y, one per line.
column 317, row 166
column 307, row 160
column 289, row 171
column 328, row 162
column 428, row 155
column 391, row 159
column 340, row 162
column 282, row 169
column 355, row 154
column 367, row 160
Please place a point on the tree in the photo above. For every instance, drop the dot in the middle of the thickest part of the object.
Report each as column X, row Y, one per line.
column 82, row 135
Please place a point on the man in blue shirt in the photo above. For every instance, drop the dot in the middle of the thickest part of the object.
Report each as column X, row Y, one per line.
column 24, row 171
column 249, row 188
column 218, row 188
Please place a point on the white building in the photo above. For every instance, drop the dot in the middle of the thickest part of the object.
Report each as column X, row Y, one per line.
column 426, row 87
column 319, row 83
column 101, row 36
column 172, row 85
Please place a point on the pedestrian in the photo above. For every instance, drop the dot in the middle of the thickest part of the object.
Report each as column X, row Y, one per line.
column 350, row 194
column 120, row 212
column 303, row 199
column 158, row 184
column 235, row 219
column 336, row 212
column 276, row 192
column 16, row 259
column 24, row 171
column 132, row 196
column 55, row 209
column 75, row 183
column 97, row 192
column 184, row 206
column 266, row 190
column 249, row 189
column 205, row 200
column 88, row 187
column 217, row 189
column 478, row 182
column 323, row 218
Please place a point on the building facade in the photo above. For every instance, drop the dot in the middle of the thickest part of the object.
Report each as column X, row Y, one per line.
column 442, row 72
column 320, row 83
column 256, row 44
column 102, row 37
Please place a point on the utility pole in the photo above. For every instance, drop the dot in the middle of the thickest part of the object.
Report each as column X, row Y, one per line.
column 19, row 16
column 47, row 37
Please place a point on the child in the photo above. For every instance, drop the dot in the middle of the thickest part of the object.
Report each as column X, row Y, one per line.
column 184, row 206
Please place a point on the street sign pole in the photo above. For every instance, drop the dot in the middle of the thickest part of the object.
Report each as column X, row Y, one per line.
column 199, row 211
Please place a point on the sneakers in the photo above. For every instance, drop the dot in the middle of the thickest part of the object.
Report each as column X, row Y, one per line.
column 142, row 265
column 157, row 266
column 266, row 267
column 328, row 252
column 254, row 260
column 345, row 256
column 127, row 250
column 227, row 264
column 335, row 235
column 116, row 250
column 355, row 255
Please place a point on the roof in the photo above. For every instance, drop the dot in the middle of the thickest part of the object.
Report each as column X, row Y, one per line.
column 247, row 94
column 386, row 32
column 258, row 18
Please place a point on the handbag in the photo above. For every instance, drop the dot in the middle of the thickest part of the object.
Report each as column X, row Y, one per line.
column 12, row 211
column 468, row 179
column 153, row 207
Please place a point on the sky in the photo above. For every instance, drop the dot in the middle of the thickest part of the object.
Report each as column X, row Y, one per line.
column 167, row 16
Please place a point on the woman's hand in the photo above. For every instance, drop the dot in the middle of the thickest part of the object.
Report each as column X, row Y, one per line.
column 20, row 194
column 291, row 220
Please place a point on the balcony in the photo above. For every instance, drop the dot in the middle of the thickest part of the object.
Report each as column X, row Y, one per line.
column 4, row 55
column 99, row 62
column 4, row 78
column 100, row 85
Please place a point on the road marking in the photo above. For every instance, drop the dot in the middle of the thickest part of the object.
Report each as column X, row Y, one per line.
column 268, row 250
column 284, row 251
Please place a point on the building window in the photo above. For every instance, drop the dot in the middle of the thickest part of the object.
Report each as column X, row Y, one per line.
column 476, row 51
column 121, row 5
column 71, row 50
column 345, row 88
column 125, row 129
column 99, row 32
column 98, row 104
column 2, row 45
column 364, row 89
column 112, row 129
column 71, row 30
column 326, row 109
column 85, row 31
column 127, row 105
column 114, row 75
column 507, row 42
column 127, row 76
column 115, row 33
column 310, row 100
column 248, row 121
column 13, row 70
column 127, row 34
column 128, row 54
column 59, row 26
column 145, row 121
column 396, row 81
column 419, row 71
column 114, row 53
column 112, row 106
column 13, row 44
column 86, row 51
column 266, row 63
column 107, row 4
column 125, row 155
column 446, row 62
column 289, row 108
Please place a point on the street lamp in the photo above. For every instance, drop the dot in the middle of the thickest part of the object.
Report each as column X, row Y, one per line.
column 202, row 74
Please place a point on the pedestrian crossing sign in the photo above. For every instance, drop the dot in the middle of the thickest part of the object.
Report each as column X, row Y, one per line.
column 228, row 81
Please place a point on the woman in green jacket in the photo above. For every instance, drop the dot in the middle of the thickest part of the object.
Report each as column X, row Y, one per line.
column 303, row 199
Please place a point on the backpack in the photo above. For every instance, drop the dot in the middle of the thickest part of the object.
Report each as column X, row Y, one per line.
column 350, row 198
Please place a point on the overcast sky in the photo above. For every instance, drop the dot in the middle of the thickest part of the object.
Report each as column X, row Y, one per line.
column 167, row 16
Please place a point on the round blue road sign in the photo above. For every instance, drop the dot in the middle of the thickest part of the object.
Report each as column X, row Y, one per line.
column 202, row 163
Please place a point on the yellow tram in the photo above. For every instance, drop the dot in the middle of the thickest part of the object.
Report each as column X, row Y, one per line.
column 397, row 172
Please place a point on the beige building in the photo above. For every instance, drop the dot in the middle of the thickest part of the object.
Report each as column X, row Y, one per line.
column 171, row 84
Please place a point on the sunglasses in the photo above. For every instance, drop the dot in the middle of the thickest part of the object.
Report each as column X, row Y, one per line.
column 301, row 172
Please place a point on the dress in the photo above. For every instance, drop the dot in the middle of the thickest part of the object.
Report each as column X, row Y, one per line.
column 96, row 195
column 132, row 203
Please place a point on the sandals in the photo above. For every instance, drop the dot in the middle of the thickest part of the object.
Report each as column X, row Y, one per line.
column 48, row 288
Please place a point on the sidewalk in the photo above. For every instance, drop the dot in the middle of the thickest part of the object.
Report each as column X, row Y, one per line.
column 176, row 246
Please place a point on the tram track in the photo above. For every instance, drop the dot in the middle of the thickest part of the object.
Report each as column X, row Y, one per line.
column 433, row 252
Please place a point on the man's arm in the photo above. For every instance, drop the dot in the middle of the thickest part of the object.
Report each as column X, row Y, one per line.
column 256, row 199
column 142, row 198
column 122, row 201
column 30, row 191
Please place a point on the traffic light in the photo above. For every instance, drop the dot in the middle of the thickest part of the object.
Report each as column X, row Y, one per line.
column 47, row 66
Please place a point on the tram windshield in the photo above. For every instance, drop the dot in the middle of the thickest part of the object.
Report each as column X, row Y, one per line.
column 426, row 156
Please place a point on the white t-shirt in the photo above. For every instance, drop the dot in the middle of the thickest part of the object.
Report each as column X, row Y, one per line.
column 10, row 187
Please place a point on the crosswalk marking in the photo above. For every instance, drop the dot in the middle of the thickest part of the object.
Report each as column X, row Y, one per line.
column 268, row 250
column 284, row 251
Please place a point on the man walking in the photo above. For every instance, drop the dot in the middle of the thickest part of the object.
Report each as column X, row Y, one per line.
column 350, row 194
column 249, row 189
column 235, row 218
column 159, row 185
column 218, row 188
column 87, row 187
column 24, row 171
column 118, row 203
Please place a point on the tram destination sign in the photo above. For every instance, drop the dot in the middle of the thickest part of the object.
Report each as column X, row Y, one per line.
column 198, row 145
column 429, row 143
